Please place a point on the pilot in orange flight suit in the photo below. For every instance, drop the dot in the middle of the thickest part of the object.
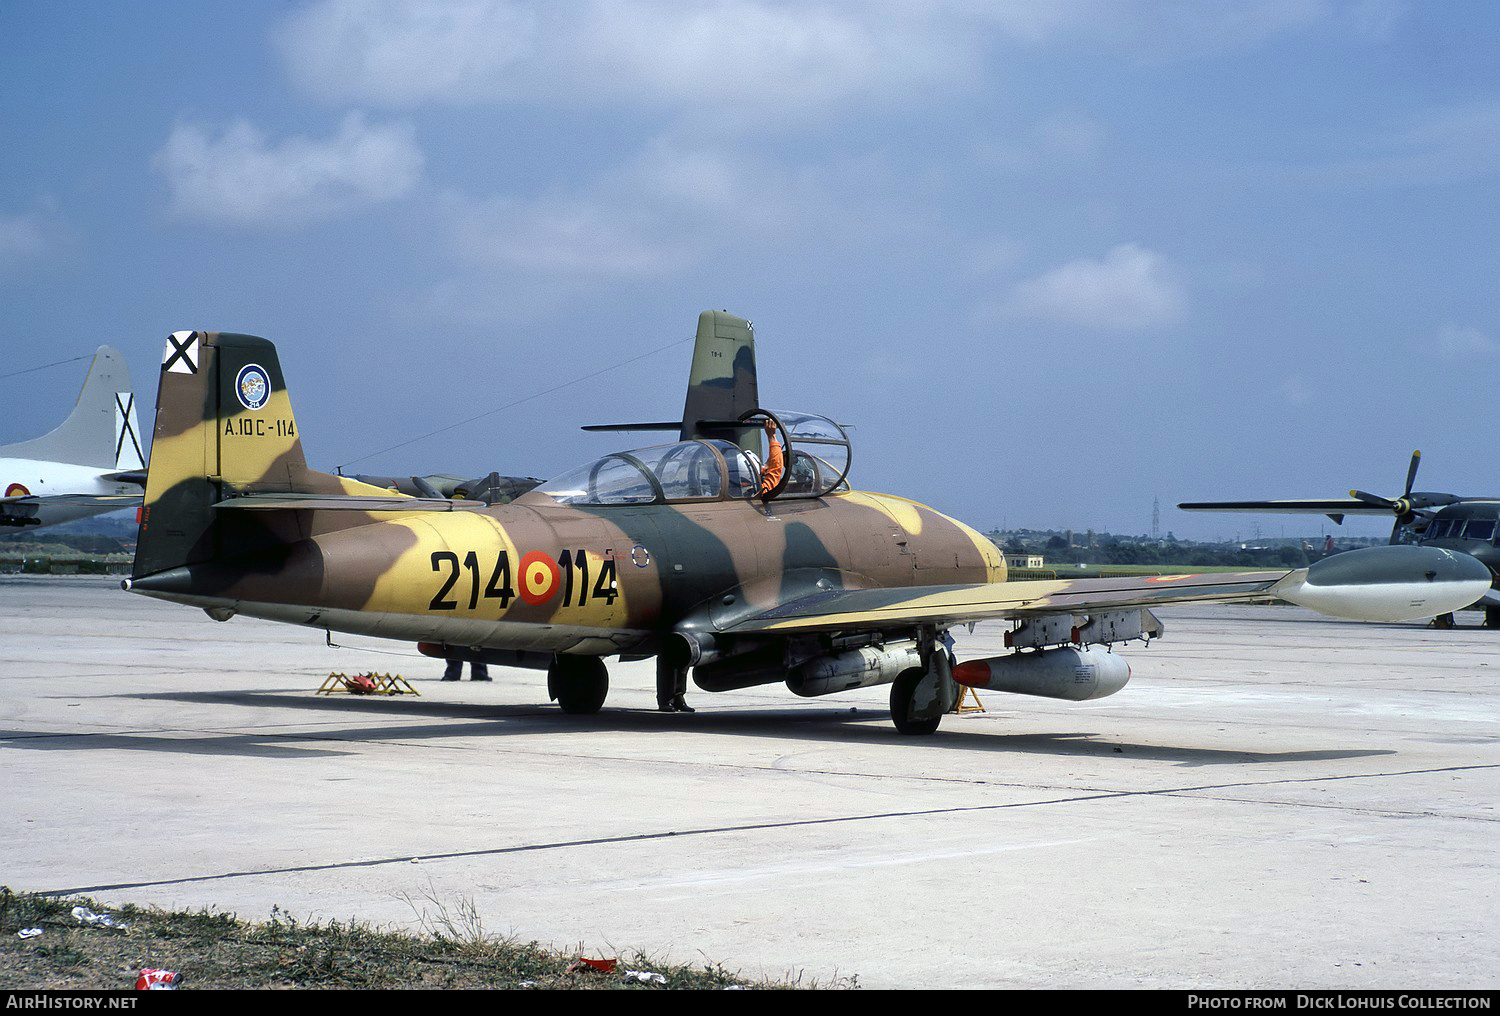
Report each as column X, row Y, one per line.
column 775, row 463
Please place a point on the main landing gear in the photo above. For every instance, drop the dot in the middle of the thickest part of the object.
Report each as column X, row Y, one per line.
column 920, row 698
column 1491, row 619
column 578, row 683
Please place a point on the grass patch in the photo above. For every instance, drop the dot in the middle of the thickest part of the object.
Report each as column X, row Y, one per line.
column 213, row 949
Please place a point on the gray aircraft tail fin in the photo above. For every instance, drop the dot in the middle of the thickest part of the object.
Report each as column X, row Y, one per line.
column 102, row 430
column 722, row 384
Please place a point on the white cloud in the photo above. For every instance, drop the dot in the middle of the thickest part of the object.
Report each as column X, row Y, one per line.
column 1129, row 289
column 1168, row 30
column 670, row 210
column 404, row 52
column 788, row 59
column 756, row 54
column 748, row 56
column 1442, row 146
column 668, row 207
column 1055, row 142
column 570, row 235
column 988, row 256
column 1375, row 19
column 1296, row 390
column 1460, row 342
column 29, row 237
column 238, row 176
column 22, row 237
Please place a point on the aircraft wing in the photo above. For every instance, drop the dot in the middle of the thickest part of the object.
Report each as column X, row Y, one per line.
column 1291, row 506
column 76, row 500
column 1393, row 583
column 838, row 609
column 345, row 502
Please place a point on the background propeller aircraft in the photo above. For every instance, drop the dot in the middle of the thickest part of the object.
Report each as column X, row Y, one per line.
column 1469, row 525
column 671, row 551
column 89, row 465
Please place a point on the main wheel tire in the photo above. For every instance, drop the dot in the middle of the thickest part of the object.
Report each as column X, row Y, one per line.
column 1443, row 621
column 1492, row 617
column 581, row 683
column 901, row 693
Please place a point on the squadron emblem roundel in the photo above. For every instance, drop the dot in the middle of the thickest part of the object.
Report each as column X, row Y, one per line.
column 539, row 577
column 252, row 387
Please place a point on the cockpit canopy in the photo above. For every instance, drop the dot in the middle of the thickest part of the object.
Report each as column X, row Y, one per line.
column 817, row 456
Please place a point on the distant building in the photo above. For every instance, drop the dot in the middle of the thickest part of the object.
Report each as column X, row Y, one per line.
column 1024, row 561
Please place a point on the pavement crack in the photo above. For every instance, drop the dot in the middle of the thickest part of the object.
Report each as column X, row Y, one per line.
column 522, row 848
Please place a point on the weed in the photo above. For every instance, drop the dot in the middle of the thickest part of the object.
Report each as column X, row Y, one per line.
column 217, row 950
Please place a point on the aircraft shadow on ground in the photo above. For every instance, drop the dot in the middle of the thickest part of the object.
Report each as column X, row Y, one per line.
column 466, row 720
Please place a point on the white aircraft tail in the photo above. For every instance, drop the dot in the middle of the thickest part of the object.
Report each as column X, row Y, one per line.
column 101, row 431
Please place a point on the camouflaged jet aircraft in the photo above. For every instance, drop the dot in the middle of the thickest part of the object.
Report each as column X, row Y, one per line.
column 691, row 552
column 1469, row 525
column 90, row 464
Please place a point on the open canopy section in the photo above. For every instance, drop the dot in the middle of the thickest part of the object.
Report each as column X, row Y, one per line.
column 817, row 453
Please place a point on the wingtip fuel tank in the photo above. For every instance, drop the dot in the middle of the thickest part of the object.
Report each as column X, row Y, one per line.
column 1391, row 583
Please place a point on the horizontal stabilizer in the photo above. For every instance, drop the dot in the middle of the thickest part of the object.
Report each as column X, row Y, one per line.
column 136, row 476
column 702, row 426
column 613, row 427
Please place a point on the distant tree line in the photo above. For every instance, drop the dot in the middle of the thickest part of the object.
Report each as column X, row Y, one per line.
column 85, row 543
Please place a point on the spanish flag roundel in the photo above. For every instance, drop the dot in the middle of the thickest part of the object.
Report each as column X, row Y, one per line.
column 539, row 578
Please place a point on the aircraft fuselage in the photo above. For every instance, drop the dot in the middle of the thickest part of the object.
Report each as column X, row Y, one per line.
column 594, row 580
column 1471, row 527
column 19, row 477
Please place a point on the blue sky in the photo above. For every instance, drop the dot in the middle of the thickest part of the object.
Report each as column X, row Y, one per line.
column 1053, row 259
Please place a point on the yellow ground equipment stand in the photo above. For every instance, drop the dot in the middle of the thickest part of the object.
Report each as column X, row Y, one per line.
column 367, row 684
column 963, row 705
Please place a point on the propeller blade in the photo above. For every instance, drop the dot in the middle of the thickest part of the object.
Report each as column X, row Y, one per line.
column 1411, row 472
column 1375, row 499
column 427, row 489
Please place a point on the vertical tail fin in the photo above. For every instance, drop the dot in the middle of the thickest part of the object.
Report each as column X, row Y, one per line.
column 224, row 426
column 101, row 431
column 721, row 383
